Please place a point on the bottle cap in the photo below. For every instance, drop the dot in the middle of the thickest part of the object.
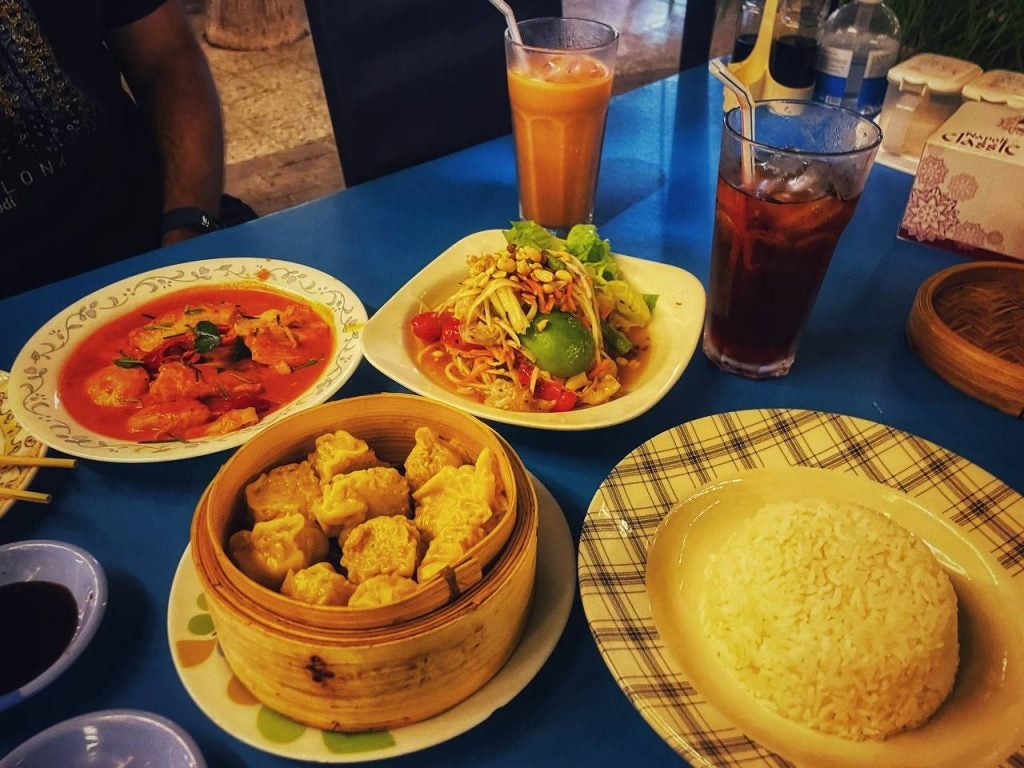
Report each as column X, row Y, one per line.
column 997, row 86
column 939, row 74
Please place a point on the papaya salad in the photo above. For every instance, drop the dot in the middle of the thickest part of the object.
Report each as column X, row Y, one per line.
column 546, row 324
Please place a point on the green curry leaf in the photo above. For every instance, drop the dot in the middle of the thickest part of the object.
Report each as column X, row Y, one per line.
column 207, row 336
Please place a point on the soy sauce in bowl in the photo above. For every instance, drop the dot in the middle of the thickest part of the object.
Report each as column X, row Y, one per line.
column 40, row 619
column 52, row 598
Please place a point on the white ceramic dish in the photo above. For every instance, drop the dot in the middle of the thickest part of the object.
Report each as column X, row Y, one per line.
column 978, row 724
column 14, row 441
column 208, row 678
column 33, row 384
column 675, row 327
column 972, row 521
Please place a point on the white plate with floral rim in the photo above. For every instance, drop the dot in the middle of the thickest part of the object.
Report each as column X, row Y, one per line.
column 209, row 681
column 675, row 327
column 34, row 376
column 972, row 522
column 14, row 441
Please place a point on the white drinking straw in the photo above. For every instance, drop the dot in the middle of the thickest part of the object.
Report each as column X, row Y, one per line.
column 746, row 101
column 510, row 19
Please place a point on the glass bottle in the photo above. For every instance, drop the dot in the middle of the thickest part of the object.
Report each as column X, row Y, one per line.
column 747, row 27
column 795, row 43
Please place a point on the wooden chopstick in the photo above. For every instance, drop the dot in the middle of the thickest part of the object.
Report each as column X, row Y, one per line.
column 37, row 461
column 35, row 496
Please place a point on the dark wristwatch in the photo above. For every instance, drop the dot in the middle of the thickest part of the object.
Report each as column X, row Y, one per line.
column 195, row 219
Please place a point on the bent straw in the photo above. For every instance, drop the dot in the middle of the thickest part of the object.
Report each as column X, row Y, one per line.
column 510, row 19
column 746, row 102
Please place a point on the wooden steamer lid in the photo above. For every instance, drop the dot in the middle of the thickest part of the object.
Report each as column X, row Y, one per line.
column 967, row 324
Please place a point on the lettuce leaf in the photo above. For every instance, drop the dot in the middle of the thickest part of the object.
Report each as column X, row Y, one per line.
column 533, row 234
column 631, row 307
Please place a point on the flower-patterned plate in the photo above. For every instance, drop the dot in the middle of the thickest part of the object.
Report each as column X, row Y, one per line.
column 207, row 677
column 34, row 377
column 14, row 441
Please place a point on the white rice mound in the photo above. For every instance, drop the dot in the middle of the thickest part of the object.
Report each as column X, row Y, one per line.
column 835, row 617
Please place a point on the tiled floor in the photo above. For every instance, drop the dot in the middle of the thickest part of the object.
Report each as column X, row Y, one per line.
column 280, row 149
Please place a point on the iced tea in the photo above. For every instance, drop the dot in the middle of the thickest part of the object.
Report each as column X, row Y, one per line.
column 768, row 260
column 783, row 199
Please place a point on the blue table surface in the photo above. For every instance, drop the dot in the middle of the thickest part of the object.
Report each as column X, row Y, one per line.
column 655, row 200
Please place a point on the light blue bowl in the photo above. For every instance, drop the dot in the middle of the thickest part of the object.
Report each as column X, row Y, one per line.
column 107, row 739
column 65, row 564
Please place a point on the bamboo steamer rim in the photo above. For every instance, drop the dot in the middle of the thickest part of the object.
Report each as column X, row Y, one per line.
column 216, row 568
column 504, row 567
column 989, row 298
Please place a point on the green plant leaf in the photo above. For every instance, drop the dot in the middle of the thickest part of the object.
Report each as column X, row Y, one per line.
column 207, row 336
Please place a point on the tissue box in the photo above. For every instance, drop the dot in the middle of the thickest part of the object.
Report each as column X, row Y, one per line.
column 967, row 193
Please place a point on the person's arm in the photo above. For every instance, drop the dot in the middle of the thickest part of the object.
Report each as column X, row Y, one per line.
column 170, row 78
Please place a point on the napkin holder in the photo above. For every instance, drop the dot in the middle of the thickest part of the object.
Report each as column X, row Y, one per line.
column 966, row 194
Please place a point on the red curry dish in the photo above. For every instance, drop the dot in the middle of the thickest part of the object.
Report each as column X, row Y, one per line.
column 196, row 363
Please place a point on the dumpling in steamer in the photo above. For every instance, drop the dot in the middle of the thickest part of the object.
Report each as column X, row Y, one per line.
column 352, row 498
column 285, row 490
column 319, row 584
column 381, row 590
column 383, row 545
column 458, row 497
column 429, row 455
column 272, row 548
column 339, row 452
column 446, row 548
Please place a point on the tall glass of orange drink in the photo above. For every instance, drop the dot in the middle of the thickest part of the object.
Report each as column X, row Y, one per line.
column 559, row 84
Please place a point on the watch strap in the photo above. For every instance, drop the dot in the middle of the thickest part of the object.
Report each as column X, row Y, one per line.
column 195, row 219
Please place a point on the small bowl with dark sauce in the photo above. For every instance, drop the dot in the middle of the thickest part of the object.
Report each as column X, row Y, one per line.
column 107, row 738
column 52, row 597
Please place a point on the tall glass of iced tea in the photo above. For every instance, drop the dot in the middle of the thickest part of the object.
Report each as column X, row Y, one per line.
column 782, row 202
column 559, row 84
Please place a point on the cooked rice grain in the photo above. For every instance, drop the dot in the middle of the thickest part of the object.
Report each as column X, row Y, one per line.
column 835, row 617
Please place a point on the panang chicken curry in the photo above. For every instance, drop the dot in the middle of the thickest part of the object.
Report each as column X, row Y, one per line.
column 196, row 363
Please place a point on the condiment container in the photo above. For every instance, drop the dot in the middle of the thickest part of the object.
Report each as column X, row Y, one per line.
column 997, row 86
column 923, row 92
column 346, row 669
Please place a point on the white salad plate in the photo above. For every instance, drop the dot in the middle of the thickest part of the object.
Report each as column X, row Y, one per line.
column 32, row 389
column 669, row 505
column 208, row 679
column 14, row 441
column 676, row 322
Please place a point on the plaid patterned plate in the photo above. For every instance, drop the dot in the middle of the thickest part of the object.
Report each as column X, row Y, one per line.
column 643, row 487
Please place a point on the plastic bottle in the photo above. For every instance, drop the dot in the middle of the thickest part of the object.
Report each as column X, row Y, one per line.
column 747, row 28
column 857, row 45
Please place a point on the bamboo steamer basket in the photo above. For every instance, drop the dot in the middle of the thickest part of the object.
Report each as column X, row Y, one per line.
column 387, row 422
column 967, row 325
column 344, row 669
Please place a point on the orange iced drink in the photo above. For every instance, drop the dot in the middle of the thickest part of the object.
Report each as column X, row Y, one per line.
column 559, row 84
column 559, row 108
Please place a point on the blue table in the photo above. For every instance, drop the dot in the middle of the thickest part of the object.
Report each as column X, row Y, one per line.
column 656, row 201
